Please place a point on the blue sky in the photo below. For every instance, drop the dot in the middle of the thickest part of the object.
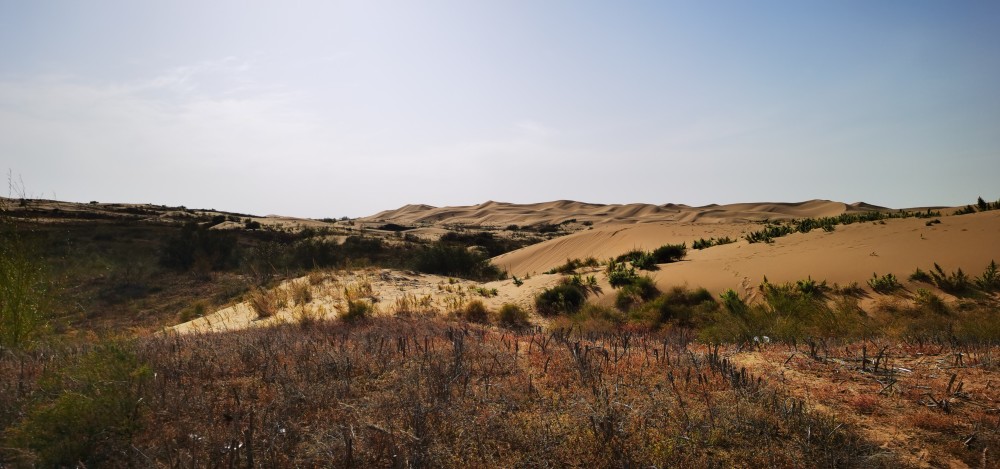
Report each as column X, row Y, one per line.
column 346, row 108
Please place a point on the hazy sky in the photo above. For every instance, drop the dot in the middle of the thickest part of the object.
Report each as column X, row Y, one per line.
column 347, row 108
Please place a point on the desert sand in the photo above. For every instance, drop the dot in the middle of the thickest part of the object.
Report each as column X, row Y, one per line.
column 849, row 254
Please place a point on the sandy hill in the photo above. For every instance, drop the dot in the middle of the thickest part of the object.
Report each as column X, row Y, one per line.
column 851, row 253
column 556, row 212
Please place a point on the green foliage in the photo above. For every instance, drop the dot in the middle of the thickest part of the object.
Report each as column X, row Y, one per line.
column 513, row 316
column 572, row 265
column 920, row 276
column 955, row 282
column 446, row 259
column 560, row 299
column 86, row 411
column 196, row 244
column 517, row 282
column 884, row 284
column 619, row 273
column 357, row 310
column 476, row 311
column 669, row 253
column 24, row 287
column 810, row 287
column 682, row 306
column 702, row 243
column 768, row 234
column 990, row 278
column 733, row 303
column 641, row 289
column 929, row 300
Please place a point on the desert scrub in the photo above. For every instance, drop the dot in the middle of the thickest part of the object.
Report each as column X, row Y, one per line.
column 87, row 410
column 619, row 273
column 24, row 287
column 301, row 292
column 513, row 316
column 955, row 282
column 884, row 284
column 357, row 310
column 563, row 298
column 263, row 302
column 476, row 311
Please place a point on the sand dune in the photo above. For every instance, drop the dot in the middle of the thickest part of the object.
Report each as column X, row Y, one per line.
column 501, row 214
column 851, row 253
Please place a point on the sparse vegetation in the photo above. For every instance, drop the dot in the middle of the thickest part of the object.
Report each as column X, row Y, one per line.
column 572, row 265
column 955, row 282
column 513, row 316
column 702, row 243
column 884, row 284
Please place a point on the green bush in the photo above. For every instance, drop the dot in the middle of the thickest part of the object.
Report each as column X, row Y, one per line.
column 357, row 310
column 619, row 274
column 560, row 299
column 513, row 316
column 456, row 261
column 884, row 284
column 954, row 283
column 920, row 276
column 24, row 287
column 86, row 411
column 683, row 306
column 669, row 253
column 476, row 311
column 641, row 289
column 990, row 279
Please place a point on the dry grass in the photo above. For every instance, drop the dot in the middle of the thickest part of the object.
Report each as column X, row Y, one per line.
column 263, row 302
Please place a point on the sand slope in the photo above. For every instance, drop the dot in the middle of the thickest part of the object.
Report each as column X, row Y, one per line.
column 502, row 214
column 848, row 254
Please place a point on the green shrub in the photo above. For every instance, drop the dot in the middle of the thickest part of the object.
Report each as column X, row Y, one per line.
column 683, row 306
column 24, row 288
column 357, row 310
column 990, row 279
column 810, row 287
column 920, row 276
column 560, row 299
column 641, row 289
column 884, row 284
column 619, row 274
column 954, row 283
column 457, row 261
column 669, row 253
column 513, row 316
column 86, row 411
column 476, row 311
column 929, row 300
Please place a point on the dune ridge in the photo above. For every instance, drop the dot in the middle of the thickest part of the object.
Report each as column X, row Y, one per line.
column 492, row 213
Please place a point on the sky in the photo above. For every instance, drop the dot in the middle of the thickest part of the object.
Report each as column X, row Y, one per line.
column 329, row 109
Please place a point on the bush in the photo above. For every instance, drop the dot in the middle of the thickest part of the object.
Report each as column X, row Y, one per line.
column 357, row 310
column 301, row 293
column 560, row 299
column 641, row 289
column 669, row 253
column 954, row 283
column 619, row 274
column 990, row 279
column 455, row 261
column 476, row 311
column 683, row 306
column 196, row 244
column 884, row 284
column 264, row 302
column 513, row 316
column 24, row 288
column 920, row 276
column 87, row 411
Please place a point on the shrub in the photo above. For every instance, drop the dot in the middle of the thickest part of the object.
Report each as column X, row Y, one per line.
column 357, row 310
column 884, row 284
column 681, row 306
column 301, row 293
column 733, row 303
column 24, row 287
column 954, row 283
column 563, row 298
column 810, row 287
column 513, row 316
column 264, row 302
column 619, row 274
column 990, row 279
column 669, row 253
column 920, row 276
column 929, row 300
column 641, row 289
column 476, row 311
column 196, row 244
column 87, row 410
column 457, row 261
